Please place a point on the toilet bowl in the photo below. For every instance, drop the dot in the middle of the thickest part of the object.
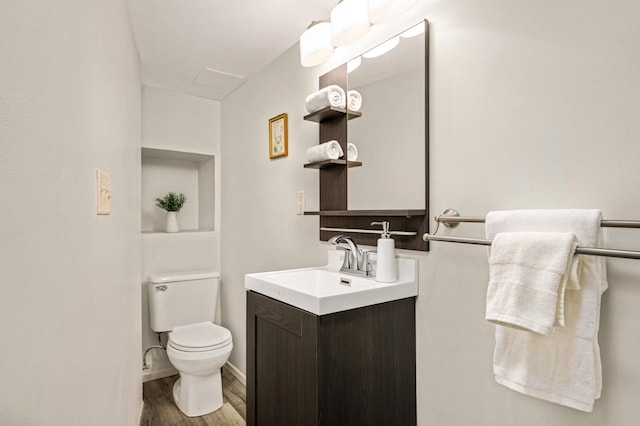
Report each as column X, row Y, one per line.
column 198, row 351
column 184, row 304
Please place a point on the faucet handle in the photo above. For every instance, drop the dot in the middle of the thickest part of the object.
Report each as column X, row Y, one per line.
column 369, row 262
column 335, row 239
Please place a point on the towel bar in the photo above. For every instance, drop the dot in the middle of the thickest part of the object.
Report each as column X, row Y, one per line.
column 451, row 219
column 370, row 231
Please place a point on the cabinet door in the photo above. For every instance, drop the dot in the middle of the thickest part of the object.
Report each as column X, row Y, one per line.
column 368, row 359
column 281, row 364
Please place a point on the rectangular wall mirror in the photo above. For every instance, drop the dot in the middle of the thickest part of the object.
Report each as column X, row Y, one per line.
column 391, row 135
column 390, row 129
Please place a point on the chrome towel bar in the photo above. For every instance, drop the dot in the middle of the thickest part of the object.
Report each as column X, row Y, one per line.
column 451, row 219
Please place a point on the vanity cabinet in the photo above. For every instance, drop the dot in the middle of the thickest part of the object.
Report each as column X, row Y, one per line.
column 354, row 367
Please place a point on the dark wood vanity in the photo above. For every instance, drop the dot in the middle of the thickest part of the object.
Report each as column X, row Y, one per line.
column 355, row 367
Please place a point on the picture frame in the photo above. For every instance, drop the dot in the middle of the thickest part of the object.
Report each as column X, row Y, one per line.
column 278, row 136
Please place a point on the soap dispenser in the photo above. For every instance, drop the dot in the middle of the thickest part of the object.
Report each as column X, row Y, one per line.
column 386, row 264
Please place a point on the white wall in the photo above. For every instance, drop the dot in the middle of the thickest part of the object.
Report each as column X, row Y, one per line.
column 260, row 229
column 533, row 105
column 70, row 303
column 178, row 122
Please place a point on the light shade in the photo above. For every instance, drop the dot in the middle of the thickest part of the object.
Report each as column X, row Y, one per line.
column 349, row 21
column 385, row 10
column 382, row 48
column 315, row 44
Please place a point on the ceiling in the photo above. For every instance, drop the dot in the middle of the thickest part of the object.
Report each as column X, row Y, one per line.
column 209, row 48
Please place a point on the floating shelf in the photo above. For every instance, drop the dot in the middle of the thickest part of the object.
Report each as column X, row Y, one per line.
column 331, row 112
column 360, row 213
column 332, row 163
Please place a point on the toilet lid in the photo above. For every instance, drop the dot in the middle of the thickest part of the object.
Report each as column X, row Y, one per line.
column 202, row 336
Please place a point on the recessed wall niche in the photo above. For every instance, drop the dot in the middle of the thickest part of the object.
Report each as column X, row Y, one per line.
column 166, row 171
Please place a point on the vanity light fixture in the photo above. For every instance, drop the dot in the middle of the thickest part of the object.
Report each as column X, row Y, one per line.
column 385, row 10
column 315, row 44
column 382, row 48
column 349, row 21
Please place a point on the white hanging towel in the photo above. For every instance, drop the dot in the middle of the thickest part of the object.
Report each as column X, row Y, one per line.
column 332, row 95
column 528, row 276
column 563, row 367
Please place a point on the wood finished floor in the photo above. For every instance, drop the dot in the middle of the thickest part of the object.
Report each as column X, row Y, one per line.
column 160, row 410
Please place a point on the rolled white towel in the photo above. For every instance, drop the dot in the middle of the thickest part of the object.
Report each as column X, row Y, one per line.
column 354, row 100
column 329, row 96
column 352, row 152
column 325, row 151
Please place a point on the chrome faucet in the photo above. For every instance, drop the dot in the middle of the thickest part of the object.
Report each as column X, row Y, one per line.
column 356, row 261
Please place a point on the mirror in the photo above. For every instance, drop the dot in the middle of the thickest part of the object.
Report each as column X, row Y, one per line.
column 390, row 136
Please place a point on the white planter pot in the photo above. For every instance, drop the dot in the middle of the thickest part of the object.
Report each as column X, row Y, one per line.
column 172, row 222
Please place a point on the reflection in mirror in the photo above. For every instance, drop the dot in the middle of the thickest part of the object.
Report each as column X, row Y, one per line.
column 390, row 135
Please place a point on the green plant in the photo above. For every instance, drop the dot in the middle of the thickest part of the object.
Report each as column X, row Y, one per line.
column 171, row 202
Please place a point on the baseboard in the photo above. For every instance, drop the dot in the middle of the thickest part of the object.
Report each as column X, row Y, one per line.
column 149, row 375
column 141, row 413
column 236, row 373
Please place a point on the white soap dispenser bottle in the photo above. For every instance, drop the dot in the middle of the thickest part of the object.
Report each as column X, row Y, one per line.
column 386, row 264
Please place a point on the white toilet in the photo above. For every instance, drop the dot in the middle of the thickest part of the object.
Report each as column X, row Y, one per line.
column 185, row 305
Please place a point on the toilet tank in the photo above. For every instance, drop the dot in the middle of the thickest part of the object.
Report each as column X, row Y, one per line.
column 182, row 298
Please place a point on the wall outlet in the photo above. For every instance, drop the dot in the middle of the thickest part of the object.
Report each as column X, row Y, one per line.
column 104, row 192
column 300, row 202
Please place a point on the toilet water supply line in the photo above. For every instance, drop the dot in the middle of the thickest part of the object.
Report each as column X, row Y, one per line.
column 145, row 365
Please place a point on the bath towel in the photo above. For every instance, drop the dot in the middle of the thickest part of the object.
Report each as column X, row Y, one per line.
column 325, row 151
column 332, row 95
column 528, row 272
column 352, row 152
column 354, row 100
column 563, row 367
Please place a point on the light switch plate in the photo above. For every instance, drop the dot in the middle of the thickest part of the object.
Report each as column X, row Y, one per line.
column 104, row 192
column 300, row 202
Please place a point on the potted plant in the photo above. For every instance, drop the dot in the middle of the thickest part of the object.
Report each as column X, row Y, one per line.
column 172, row 203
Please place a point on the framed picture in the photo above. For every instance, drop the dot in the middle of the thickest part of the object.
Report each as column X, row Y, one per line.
column 278, row 143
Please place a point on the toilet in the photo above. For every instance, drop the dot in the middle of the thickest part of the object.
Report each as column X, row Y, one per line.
column 184, row 304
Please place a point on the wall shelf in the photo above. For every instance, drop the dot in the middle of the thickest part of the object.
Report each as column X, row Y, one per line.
column 357, row 213
column 332, row 163
column 331, row 112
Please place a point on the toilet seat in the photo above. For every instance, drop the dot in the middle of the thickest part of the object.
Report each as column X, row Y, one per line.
column 199, row 337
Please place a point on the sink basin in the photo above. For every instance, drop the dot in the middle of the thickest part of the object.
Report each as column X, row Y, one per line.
column 323, row 290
